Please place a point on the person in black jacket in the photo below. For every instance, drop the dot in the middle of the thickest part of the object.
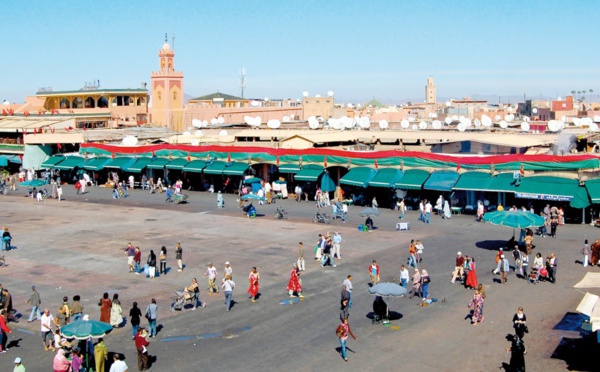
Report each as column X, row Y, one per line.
column 151, row 264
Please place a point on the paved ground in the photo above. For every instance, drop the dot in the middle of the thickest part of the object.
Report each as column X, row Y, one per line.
column 75, row 247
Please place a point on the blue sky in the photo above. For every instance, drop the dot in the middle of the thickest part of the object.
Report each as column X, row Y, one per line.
column 358, row 49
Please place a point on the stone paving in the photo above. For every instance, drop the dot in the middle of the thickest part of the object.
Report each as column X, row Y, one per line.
column 76, row 247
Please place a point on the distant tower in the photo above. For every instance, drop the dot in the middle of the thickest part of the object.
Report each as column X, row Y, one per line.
column 430, row 93
column 167, row 91
column 243, row 81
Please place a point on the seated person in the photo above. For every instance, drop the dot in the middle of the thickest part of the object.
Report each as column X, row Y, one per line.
column 369, row 223
column 380, row 308
column 188, row 292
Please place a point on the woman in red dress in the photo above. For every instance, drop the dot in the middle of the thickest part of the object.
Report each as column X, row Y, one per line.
column 253, row 279
column 471, row 274
column 105, row 307
column 294, row 285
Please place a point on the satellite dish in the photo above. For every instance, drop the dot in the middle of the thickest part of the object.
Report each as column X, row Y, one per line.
column 204, row 123
column 448, row 120
column 422, row 125
column 553, row 126
column 305, row 94
column 561, row 125
column 350, row 106
column 255, row 103
column 313, row 123
column 330, row 93
column 525, row 126
column 334, row 123
column 286, row 118
column 477, row 123
column 448, row 104
column 198, row 133
column 503, row 124
column 214, row 121
column 257, row 121
column 486, row 121
column 195, row 142
column 564, row 118
column 411, row 119
column 196, row 123
column 130, row 140
column 497, row 118
column 509, row 117
column 461, row 127
column 576, row 107
column 266, row 99
column 578, row 122
column 248, row 119
column 559, row 99
column 415, row 127
column 431, row 115
column 597, row 119
column 454, row 118
column 223, row 133
column 436, row 124
column 535, row 110
column 318, row 96
column 365, row 122
column 404, row 124
column 383, row 124
column 273, row 123
column 320, row 119
column 348, row 123
column 468, row 122
column 594, row 127
column 461, row 119
column 221, row 120
column 186, row 133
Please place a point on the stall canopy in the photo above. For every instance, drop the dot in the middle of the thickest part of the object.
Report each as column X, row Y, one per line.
column 158, row 163
column 178, row 163
column 358, row 176
column 386, row 177
column 289, row 168
column 70, row 162
column 236, row 169
column 195, row 166
column 593, row 188
column 442, row 180
column 327, row 183
column 474, row 181
column 547, row 188
column 412, row 179
column 139, row 165
column 121, row 162
column 580, row 199
column 4, row 161
column 216, row 167
column 52, row 161
column 309, row 172
column 96, row 164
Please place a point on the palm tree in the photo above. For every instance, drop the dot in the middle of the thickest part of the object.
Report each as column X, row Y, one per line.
column 591, row 91
column 573, row 92
column 579, row 94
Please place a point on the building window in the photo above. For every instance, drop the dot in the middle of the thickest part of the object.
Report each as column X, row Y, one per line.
column 158, row 95
column 174, row 96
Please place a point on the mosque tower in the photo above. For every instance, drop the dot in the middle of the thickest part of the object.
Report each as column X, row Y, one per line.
column 430, row 91
column 167, row 92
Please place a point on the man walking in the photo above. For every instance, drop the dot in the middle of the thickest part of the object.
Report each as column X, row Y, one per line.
column 337, row 242
column 348, row 285
column 118, row 365
column 404, row 276
column 130, row 252
column 374, row 273
column 141, row 344
column 179, row 257
column 46, row 328
column 428, row 208
column 301, row 262
column 211, row 273
column 137, row 259
column 504, row 269
column 458, row 267
column 228, row 286
column 35, row 301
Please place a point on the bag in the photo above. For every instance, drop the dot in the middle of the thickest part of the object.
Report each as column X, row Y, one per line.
column 162, row 257
column 148, row 314
column 525, row 329
column 339, row 331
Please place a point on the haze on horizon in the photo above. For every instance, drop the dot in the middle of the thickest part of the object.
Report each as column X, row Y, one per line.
column 360, row 50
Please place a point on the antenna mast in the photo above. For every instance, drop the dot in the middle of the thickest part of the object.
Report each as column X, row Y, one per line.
column 173, row 42
column 243, row 81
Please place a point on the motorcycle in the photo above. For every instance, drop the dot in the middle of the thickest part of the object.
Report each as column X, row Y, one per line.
column 281, row 214
column 321, row 217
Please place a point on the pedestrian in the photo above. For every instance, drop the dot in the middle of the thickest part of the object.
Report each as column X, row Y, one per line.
column 7, row 305
column 419, row 251
column 4, row 331
column 553, row 226
column 326, row 258
column 227, row 270
column 504, row 269
column 524, row 265
column 319, row 247
column 60, row 320
column 529, row 241
column 595, row 252
column 193, row 288
column 301, row 263
column 76, row 308
column 344, row 212
column 498, row 256
column 228, row 285
column 585, row 250
column 130, row 252
column 141, row 345
column 162, row 257
column 179, row 257
column 100, row 355
column 105, row 305
column 477, row 305
column 19, row 367
column 348, row 284
column 220, row 201
column 337, row 243
column 458, row 267
column 480, row 212
column 551, row 267
column 60, row 362
column 428, row 209
column 520, row 323
column 211, row 273
column 404, row 276
column 402, row 208
column 517, row 356
column 151, row 315
column 344, row 301
column 46, row 328
column 294, row 286
column 374, row 273
column 59, row 192
column 422, row 211
column 135, row 315
column 471, row 281
column 34, row 299
column 342, row 331
column 253, row 278
column 137, row 260
column 151, row 262
column 416, row 286
column 116, row 312
column 425, row 280
column 118, row 365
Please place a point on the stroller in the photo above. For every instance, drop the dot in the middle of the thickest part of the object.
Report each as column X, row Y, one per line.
column 321, row 217
column 534, row 276
column 182, row 300
column 281, row 214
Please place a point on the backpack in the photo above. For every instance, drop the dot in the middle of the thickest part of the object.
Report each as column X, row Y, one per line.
column 339, row 331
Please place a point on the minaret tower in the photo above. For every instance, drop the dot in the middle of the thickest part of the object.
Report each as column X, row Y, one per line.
column 167, row 91
column 430, row 92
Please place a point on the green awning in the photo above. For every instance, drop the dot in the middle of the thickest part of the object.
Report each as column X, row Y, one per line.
column 593, row 189
column 289, row 168
column 158, row 163
column 70, row 162
column 358, row 176
column 195, row 166
column 121, row 162
column 581, row 198
column 236, row 169
column 96, row 164
column 4, row 161
column 547, row 188
column 51, row 161
column 178, row 163
column 15, row 159
column 442, row 180
column 216, row 167
column 504, row 182
column 473, row 181
column 412, row 179
column 309, row 172
column 139, row 165
column 386, row 177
